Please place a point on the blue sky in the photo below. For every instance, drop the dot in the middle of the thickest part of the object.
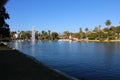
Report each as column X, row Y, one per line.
column 61, row 15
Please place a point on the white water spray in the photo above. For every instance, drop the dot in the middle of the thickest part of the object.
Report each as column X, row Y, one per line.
column 33, row 35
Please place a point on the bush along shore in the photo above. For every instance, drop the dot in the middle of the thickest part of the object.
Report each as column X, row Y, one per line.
column 15, row 65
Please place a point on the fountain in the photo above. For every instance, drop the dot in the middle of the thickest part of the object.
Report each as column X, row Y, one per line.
column 33, row 35
column 33, row 41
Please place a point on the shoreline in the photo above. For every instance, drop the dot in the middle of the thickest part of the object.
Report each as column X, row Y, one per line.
column 16, row 65
column 102, row 41
column 69, row 40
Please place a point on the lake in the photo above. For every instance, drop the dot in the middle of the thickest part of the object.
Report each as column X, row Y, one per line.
column 91, row 60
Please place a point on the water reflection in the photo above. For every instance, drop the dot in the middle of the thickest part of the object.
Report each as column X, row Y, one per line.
column 109, row 54
column 33, row 48
column 16, row 44
column 77, row 58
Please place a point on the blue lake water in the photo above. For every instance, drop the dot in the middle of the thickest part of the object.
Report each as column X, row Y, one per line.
column 91, row 60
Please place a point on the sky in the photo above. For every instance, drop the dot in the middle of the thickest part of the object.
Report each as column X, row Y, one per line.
column 61, row 15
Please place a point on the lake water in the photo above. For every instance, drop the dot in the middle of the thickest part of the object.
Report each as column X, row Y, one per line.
column 91, row 60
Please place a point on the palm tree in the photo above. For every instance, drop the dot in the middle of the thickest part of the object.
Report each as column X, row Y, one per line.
column 108, row 23
column 86, row 29
column 48, row 36
column 44, row 34
column 96, row 29
column 99, row 26
column 49, row 32
column 81, row 33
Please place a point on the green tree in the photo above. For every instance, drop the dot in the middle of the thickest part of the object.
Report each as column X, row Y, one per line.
column 118, row 31
column 4, row 27
column 2, row 2
column 66, row 34
column 54, row 35
column 106, row 30
column 21, row 35
column 93, row 36
column 102, row 36
column 43, row 34
column 26, row 35
column 113, row 29
column 113, row 32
